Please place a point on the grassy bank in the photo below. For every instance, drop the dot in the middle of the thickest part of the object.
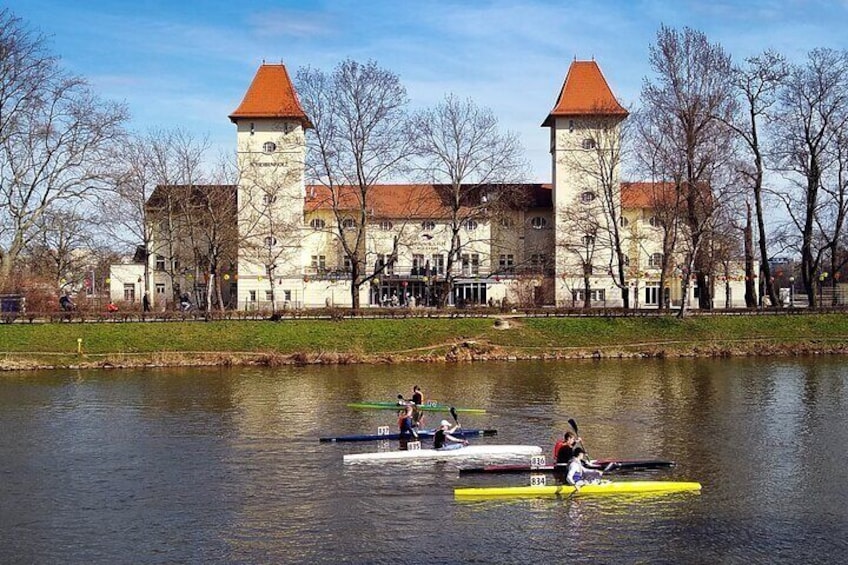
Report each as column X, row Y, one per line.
column 419, row 339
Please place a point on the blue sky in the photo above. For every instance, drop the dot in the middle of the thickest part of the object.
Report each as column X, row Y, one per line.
column 187, row 64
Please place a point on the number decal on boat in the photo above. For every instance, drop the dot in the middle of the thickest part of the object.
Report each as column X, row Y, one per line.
column 382, row 430
column 537, row 461
column 538, row 480
column 413, row 445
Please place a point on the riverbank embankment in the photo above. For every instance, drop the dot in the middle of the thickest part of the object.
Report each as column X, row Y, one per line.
column 348, row 341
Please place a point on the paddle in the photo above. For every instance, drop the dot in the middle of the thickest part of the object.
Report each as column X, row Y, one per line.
column 573, row 425
column 456, row 419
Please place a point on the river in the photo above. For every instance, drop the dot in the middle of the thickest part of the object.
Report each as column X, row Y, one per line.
column 224, row 465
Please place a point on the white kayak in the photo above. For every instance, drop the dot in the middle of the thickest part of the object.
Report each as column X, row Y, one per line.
column 467, row 452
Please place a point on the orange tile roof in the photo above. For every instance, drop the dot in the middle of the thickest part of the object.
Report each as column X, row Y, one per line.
column 271, row 95
column 412, row 201
column 646, row 194
column 585, row 92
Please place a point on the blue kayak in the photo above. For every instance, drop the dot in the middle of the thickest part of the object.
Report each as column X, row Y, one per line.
column 425, row 434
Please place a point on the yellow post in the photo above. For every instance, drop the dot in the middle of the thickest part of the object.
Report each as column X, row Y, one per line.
column 79, row 346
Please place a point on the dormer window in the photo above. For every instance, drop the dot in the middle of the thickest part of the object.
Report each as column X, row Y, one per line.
column 269, row 147
column 428, row 225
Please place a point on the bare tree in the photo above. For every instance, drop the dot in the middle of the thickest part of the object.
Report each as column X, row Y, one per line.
column 361, row 137
column 55, row 141
column 475, row 167
column 757, row 83
column 60, row 248
column 810, row 120
column 692, row 89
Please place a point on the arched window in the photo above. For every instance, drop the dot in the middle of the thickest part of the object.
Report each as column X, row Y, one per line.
column 317, row 224
column 588, row 143
column 470, row 225
column 655, row 260
column 623, row 222
column 349, row 224
column 270, row 241
column 587, row 197
column 269, row 147
column 588, row 239
column 538, row 222
column 269, row 198
column 428, row 225
column 386, row 225
column 506, row 222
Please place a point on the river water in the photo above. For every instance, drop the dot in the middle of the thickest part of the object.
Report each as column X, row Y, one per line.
column 224, row 465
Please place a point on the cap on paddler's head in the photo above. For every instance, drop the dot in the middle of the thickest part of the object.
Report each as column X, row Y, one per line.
column 445, row 424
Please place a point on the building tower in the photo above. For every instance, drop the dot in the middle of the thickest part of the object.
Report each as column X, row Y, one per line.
column 585, row 152
column 270, row 131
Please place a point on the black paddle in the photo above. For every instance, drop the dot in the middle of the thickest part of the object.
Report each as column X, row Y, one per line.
column 456, row 419
column 573, row 425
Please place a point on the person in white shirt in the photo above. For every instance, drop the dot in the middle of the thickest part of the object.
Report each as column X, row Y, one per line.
column 578, row 475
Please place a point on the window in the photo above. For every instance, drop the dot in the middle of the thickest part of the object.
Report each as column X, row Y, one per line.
column 386, row 225
column 348, row 264
column 288, row 127
column 655, row 222
column 595, row 295
column 588, row 143
column 506, row 263
column 587, row 197
column 506, row 222
column 623, row 222
column 418, row 264
column 437, row 267
column 652, row 295
column 269, row 296
column 270, row 241
column 471, row 264
column 385, row 261
column 538, row 260
column 428, row 225
column 287, row 295
column 470, row 225
column 538, row 222
column 588, row 240
column 160, row 289
column 269, row 147
column 269, row 198
column 655, row 260
column 129, row 292
column 160, row 263
column 349, row 224
column 319, row 262
column 317, row 224
column 252, row 128
column 570, row 125
column 626, row 260
column 252, row 296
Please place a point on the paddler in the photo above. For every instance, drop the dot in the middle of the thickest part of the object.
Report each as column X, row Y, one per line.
column 418, row 400
column 578, row 475
column 406, row 424
column 443, row 438
column 564, row 448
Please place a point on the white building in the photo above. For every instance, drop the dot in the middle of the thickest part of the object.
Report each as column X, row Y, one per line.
column 541, row 252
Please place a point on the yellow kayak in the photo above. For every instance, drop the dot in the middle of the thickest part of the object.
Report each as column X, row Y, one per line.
column 602, row 488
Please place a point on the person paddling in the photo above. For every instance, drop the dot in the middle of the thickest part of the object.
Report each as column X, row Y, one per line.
column 406, row 425
column 564, row 448
column 578, row 475
column 418, row 400
column 443, row 438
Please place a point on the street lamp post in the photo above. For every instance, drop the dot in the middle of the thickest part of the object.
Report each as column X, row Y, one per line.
column 791, row 292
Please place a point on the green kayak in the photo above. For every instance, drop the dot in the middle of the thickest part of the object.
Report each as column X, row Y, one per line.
column 427, row 406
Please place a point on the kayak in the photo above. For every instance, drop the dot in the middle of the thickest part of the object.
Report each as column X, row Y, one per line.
column 427, row 406
column 613, row 464
column 602, row 488
column 471, row 451
column 421, row 434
